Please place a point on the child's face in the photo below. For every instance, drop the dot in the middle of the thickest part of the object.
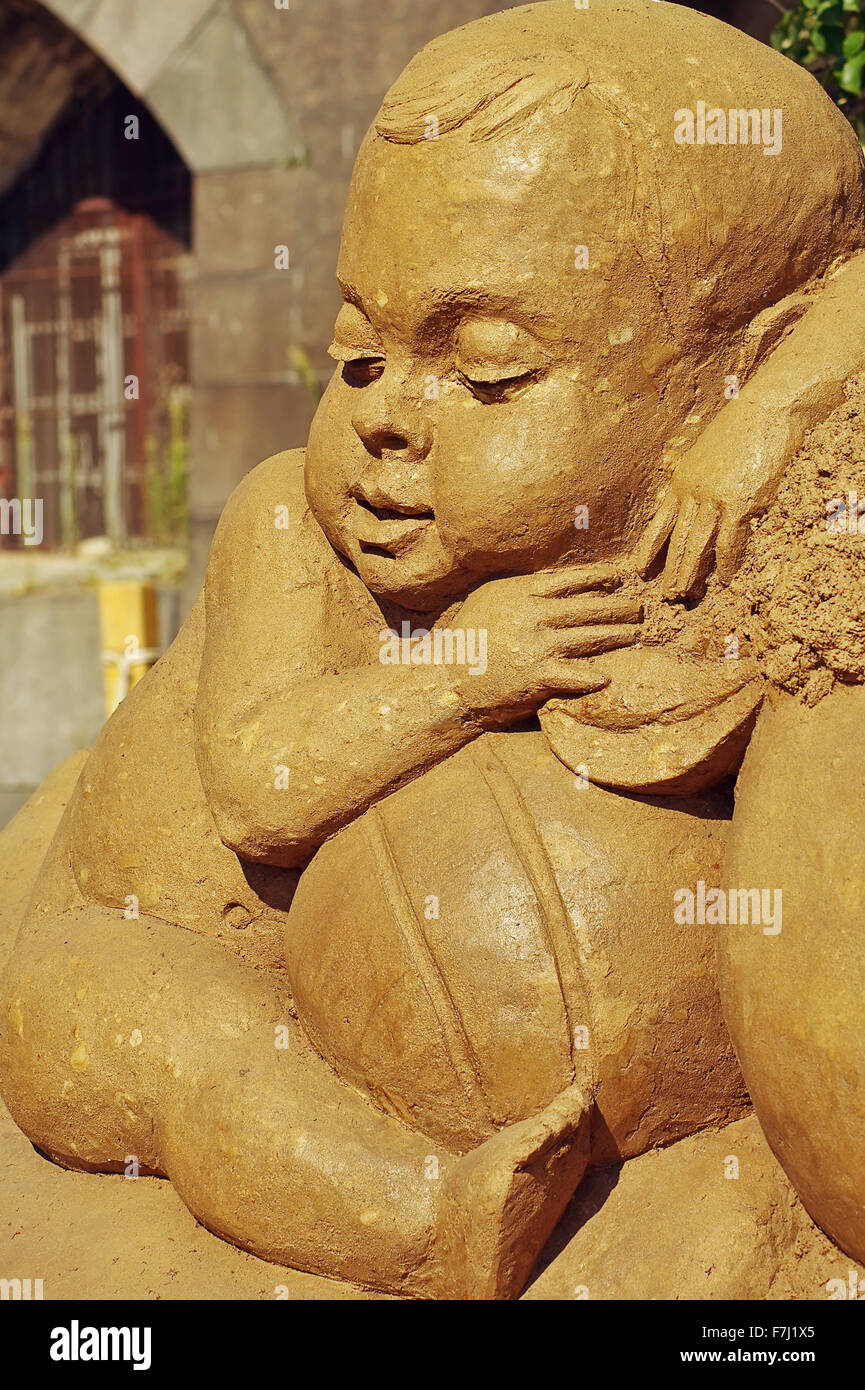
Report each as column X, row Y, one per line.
column 488, row 387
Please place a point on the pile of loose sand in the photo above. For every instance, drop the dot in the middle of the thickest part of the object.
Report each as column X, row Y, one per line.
column 797, row 602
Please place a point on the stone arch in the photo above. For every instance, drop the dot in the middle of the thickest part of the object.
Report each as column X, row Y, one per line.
column 185, row 60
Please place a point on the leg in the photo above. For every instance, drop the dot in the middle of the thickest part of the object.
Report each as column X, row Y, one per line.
column 25, row 841
column 123, row 1038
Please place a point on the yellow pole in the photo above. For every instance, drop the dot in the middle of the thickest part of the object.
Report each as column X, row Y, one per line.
column 128, row 623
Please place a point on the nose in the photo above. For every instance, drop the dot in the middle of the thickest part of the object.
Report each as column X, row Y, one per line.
column 391, row 422
column 396, row 434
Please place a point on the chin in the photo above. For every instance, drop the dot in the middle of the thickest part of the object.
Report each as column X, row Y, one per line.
column 389, row 579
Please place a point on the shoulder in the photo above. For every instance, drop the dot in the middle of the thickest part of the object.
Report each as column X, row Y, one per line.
column 271, row 491
column 267, row 530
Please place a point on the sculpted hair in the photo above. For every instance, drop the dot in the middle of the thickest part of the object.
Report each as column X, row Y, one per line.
column 722, row 232
column 492, row 95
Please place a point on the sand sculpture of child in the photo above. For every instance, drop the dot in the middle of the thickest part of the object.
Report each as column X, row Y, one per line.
column 366, row 940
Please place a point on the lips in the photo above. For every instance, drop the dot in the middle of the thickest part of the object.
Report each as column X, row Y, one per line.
column 390, row 531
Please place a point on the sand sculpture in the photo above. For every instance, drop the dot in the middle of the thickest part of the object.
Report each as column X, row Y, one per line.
column 388, row 903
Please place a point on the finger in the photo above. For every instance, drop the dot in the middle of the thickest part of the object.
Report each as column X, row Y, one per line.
column 678, row 540
column 651, row 542
column 588, row 641
column 730, row 545
column 582, row 609
column 572, row 677
column 576, row 579
column 693, row 554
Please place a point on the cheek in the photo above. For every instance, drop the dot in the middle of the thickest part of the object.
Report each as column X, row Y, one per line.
column 330, row 418
column 506, row 476
column 326, row 451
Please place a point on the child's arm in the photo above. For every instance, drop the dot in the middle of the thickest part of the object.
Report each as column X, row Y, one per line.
column 300, row 727
column 733, row 470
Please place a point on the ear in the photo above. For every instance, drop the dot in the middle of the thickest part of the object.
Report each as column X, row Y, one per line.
column 770, row 327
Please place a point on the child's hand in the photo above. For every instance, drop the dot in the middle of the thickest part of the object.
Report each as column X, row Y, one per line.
column 541, row 628
column 733, row 470
column 725, row 478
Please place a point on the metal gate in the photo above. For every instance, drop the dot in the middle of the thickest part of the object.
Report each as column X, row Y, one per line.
column 93, row 378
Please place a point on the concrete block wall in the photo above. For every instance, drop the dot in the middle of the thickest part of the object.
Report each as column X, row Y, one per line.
column 51, row 688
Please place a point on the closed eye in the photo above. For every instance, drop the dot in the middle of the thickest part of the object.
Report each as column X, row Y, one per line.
column 504, row 389
column 360, row 371
column 357, row 368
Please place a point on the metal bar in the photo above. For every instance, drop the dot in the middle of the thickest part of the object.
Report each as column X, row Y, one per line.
column 24, row 470
column 112, row 413
column 68, row 508
column 139, row 299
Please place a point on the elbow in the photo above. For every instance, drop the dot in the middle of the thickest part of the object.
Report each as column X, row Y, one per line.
column 258, row 819
column 247, row 823
column 251, row 839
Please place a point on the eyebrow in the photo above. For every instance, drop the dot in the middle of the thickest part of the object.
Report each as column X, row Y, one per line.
column 350, row 304
column 458, row 301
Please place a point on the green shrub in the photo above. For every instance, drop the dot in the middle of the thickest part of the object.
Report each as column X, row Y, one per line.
column 828, row 38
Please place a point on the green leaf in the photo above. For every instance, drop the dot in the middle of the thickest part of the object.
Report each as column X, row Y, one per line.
column 851, row 75
column 827, row 38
